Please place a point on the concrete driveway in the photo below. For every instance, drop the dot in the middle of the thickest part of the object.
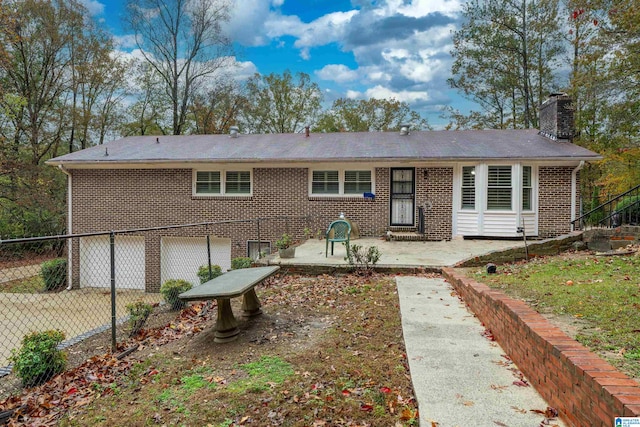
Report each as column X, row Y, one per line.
column 77, row 313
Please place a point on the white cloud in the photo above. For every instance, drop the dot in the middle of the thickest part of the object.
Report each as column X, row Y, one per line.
column 247, row 22
column 409, row 97
column 339, row 73
column 419, row 8
column 401, row 47
column 126, row 41
column 324, row 30
column 94, row 7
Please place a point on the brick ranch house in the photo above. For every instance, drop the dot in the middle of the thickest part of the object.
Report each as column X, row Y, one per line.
column 468, row 183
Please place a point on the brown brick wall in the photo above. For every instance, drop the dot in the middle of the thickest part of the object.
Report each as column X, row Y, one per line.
column 554, row 201
column 586, row 390
column 434, row 190
column 106, row 200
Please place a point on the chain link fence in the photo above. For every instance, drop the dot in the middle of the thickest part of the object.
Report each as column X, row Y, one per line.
column 81, row 284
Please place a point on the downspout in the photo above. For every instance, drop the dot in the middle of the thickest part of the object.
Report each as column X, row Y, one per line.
column 574, row 192
column 69, row 225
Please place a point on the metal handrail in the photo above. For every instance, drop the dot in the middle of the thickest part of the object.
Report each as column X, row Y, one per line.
column 602, row 207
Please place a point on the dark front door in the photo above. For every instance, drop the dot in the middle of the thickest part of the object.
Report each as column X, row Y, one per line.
column 402, row 196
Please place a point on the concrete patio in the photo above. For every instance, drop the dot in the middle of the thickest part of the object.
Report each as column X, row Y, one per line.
column 424, row 254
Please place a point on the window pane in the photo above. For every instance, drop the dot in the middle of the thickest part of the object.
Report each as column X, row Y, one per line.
column 526, row 188
column 526, row 199
column 207, row 182
column 469, row 198
column 499, row 199
column 499, row 176
column 238, row 183
column 324, row 188
column 499, row 188
column 207, row 188
column 526, row 176
column 356, row 182
column 325, row 182
column 325, row 176
column 468, row 187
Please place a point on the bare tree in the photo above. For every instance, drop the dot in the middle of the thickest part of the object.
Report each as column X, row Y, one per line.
column 183, row 42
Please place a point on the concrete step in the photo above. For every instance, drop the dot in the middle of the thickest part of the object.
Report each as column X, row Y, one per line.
column 405, row 236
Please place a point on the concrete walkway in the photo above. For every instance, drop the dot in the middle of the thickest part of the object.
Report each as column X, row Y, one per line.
column 460, row 377
column 418, row 253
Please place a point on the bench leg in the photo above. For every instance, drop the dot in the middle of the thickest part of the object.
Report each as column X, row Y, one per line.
column 251, row 303
column 226, row 324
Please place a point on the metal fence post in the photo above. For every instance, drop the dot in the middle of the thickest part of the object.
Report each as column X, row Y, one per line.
column 209, row 256
column 259, row 241
column 112, row 250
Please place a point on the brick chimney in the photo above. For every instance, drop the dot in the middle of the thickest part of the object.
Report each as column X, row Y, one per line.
column 556, row 118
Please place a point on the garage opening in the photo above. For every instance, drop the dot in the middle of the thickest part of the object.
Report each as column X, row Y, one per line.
column 95, row 262
column 180, row 257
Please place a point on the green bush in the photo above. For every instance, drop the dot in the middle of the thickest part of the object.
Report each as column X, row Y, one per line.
column 39, row 359
column 241, row 262
column 629, row 205
column 170, row 291
column 203, row 272
column 139, row 312
column 284, row 242
column 54, row 274
column 363, row 258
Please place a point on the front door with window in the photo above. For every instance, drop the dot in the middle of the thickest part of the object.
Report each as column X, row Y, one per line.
column 402, row 197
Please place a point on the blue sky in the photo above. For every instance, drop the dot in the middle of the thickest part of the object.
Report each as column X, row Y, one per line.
column 357, row 49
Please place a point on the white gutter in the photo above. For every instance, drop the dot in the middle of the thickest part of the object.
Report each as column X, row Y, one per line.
column 69, row 225
column 574, row 191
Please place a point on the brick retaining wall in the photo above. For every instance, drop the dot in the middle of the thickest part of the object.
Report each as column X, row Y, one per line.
column 586, row 390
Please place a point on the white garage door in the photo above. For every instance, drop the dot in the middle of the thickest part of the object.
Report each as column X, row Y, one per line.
column 182, row 256
column 95, row 262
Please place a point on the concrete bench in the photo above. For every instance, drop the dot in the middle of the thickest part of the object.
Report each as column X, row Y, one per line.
column 232, row 284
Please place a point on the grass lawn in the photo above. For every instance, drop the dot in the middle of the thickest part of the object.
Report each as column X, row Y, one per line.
column 596, row 299
column 30, row 285
column 326, row 351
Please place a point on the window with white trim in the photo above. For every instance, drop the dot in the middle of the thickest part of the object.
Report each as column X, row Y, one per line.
column 208, row 182
column 499, row 191
column 527, row 188
column 238, row 182
column 220, row 183
column 325, row 182
column 357, row 182
column 341, row 182
column 468, row 187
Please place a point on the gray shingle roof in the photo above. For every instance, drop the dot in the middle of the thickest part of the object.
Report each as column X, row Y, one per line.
column 325, row 147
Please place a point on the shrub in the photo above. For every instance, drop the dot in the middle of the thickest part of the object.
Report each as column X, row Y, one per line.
column 241, row 262
column 284, row 242
column 629, row 208
column 39, row 359
column 363, row 258
column 54, row 274
column 138, row 314
column 203, row 272
column 170, row 291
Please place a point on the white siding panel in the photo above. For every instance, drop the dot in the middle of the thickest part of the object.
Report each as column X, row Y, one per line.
column 530, row 224
column 181, row 257
column 95, row 262
column 500, row 224
column 467, row 224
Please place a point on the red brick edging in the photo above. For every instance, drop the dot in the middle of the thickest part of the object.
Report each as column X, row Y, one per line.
column 585, row 389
